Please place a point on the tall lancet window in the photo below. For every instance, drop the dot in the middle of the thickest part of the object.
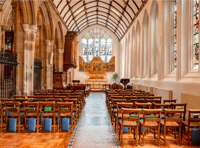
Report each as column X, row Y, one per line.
column 196, row 34
column 175, row 34
column 96, row 42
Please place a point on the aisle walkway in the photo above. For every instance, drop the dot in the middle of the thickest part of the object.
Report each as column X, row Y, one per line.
column 94, row 128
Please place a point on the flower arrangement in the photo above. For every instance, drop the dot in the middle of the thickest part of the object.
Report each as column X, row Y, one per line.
column 115, row 76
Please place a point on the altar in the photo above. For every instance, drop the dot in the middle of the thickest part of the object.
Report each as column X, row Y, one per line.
column 97, row 70
column 96, row 83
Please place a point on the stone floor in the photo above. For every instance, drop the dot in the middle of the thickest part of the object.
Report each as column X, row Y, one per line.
column 94, row 128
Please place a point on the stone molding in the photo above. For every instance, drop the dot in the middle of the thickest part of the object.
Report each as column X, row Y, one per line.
column 60, row 51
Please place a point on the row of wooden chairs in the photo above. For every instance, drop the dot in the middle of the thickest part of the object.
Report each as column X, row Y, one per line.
column 38, row 109
column 170, row 107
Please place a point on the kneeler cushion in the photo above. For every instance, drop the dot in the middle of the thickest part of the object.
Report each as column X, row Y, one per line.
column 74, row 114
column 125, row 129
column 31, row 124
column 47, row 124
column 12, row 124
column 195, row 134
column 65, row 124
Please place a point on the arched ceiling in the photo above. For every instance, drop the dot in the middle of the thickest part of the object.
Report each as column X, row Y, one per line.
column 116, row 15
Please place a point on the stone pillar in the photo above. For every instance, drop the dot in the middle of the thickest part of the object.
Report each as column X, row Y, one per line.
column 30, row 70
column 18, row 46
column 29, row 42
column 60, row 58
column 49, row 64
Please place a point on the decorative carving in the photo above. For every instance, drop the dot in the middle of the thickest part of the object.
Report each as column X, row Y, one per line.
column 96, row 69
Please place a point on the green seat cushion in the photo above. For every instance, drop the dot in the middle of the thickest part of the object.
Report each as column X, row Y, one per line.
column 47, row 108
column 31, row 108
column 13, row 107
column 64, row 108
column 129, row 100
column 134, row 116
column 56, row 104
column 150, row 116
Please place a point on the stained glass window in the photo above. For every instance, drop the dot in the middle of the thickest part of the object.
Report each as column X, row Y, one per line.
column 84, row 48
column 175, row 34
column 196, row 33
column 96, row 42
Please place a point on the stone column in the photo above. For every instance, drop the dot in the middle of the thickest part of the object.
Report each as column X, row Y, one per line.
column 60, row 63
column 29, row 42
column 49, row 64
column 30, row 70
column 18, row 46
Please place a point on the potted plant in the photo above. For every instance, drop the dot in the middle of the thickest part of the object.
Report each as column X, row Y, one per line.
column 115, row 76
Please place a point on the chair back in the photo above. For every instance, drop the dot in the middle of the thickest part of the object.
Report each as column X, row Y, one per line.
column 126, row 114
column 168, row 118
column 169, row 101
column 143, row 105
column 18, row 96
column 47, row 104
column 152, row 115
column 31, row 107
column 9, row 105
column 68, row 105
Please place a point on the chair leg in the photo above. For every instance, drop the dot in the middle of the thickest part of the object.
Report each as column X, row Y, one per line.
column 137, row 134
column 158, row 138
column 121, row 134
column 37, row 123
column 25, row 124
column 179, row 136
column 54, row 125
column 42, row 124
column 18, row 124
column 143, row 134
column 165, row 135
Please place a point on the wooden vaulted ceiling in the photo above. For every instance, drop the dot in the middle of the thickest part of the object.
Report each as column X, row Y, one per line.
column 116, row 15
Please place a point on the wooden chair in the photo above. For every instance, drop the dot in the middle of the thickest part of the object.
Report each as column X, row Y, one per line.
column 130, row 118
column 50, row 114
column 41, row 94
column 65, row 113
column 192, row 122
column 157, row 101
column 142, row 97
column 56, row 102
column 31, row 113
column 129, row 98
column 151, row 119
column 18, row 96
column 119, row 112
column 21, row 101
column 38, row 100
column 114, row 107
column 143, row 105
column 14, row 113
column 172, row 122
column 180, row 106
column 79, row 102
column 169, row 101
column 75, row 108
column 134, row 101
column 64, row 94
column 33, row 97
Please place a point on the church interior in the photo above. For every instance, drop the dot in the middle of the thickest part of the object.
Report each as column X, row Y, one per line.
column 99, row 73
